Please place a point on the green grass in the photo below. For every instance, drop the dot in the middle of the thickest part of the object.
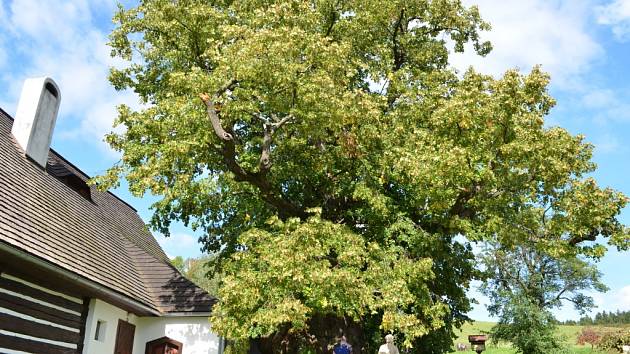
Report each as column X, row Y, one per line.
column 568, row 332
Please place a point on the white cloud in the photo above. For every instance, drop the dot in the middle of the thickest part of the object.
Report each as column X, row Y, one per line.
column 607, row 144
column 613, row 300
column 46, row 21
column 617, row 15
column 606, row 105
column 3, row 52
column 622, row 298
column 62, row 39
column 179, row 244
column 599, row 98
column 526, row 33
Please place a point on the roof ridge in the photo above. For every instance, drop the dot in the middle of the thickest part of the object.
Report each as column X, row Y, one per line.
column 100, row 240
column 57, row 157
column 85, row 175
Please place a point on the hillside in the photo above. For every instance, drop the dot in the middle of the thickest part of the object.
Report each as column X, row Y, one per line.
column 480, row 327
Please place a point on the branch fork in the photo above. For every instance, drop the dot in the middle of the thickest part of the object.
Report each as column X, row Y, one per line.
column 268, row 192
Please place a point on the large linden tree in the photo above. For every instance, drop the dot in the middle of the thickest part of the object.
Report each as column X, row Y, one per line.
column 332, row 159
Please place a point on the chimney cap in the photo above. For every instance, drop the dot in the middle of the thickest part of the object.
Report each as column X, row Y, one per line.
column 36, row 116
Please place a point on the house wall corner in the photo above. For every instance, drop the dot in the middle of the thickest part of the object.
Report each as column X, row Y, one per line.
column 194, row 332
column 108, row 315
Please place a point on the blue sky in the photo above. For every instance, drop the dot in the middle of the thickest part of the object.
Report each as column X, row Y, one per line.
column 583, row 44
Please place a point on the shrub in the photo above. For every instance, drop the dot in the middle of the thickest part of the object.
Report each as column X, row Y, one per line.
column 614, row 340
column 530, row 329
column 589, row 335
column 237, row 347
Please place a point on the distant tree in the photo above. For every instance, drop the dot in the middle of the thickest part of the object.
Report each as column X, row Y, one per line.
column 525, row 282
column 530, row 329
column 607, row 318
column 200, row 271
column 588, row 335
column 586, row 321
column 545, row 279
column 179, row 263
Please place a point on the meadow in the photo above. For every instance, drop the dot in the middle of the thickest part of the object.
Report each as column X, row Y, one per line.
column 570, row 334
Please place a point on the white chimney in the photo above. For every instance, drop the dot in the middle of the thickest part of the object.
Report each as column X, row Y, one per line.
column 35, row 118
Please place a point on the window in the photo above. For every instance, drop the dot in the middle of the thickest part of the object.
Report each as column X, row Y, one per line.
column 101, row 327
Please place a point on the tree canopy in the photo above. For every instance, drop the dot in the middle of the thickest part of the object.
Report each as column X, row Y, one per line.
column 524, row 283
column 326, row 148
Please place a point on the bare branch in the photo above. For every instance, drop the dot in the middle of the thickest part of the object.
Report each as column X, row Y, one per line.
column 559, row 297
column 577, row 239
column 268, row 193
column 265, row 155
column 279, row 123
column 214, row 118
column 269, row 129
column 213, row 110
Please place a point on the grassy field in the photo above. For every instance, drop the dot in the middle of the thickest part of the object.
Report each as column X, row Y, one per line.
column 569, row 332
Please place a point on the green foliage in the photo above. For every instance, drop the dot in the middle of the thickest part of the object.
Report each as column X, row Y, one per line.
column 237, row 347
column 530, row 329
column 525, row 283
column 201, row 272
column 342, row 119
column 179, row 263
column 606, row 318
column 614, row 340
column 319, row 267
column 543, row 279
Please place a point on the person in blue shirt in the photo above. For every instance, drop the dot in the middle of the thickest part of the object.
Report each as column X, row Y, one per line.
column 342, row 346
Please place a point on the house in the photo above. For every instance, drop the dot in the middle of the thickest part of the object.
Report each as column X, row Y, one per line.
column 79, row 271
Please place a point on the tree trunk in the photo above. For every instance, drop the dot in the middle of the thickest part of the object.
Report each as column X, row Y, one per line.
column 322, row 334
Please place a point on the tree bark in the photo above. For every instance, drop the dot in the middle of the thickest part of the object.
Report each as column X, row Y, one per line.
column 268, row 193
column 323, row 333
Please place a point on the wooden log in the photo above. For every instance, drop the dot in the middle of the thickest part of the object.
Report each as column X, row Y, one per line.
column 23, row 289
column 40, row 311
column 23, row 326
column 31, row 346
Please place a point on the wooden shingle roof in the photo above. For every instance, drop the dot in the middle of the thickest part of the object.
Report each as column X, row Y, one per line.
column 100, row 238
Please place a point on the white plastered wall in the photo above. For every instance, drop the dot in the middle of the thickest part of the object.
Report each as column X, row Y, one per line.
column 194, row 332
column 102, row 311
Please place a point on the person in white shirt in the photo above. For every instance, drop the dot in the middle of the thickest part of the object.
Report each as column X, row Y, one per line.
column 389, row 347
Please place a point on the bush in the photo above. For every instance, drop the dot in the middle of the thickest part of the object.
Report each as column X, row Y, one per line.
column 614, row 340
column 530, row 329
column 589, row 336
column 237, row 347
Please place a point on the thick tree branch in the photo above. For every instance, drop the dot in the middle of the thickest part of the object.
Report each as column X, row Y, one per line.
column 213, row 114
column 268, row 193
column 265, row 154
column 397, row 56
column 334, row 18
column 269, row 129
column 577, row 239
column 460, row 208
column 397, row 51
